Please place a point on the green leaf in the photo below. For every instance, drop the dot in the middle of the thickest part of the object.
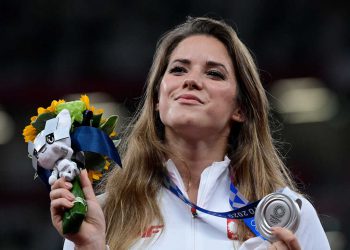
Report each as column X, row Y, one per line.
column 94, row 161
column 96, row 119
column 109, row 126
column 75, row 109
column 39, row 123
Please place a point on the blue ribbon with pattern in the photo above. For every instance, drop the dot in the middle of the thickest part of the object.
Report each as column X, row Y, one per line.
column 247, row 211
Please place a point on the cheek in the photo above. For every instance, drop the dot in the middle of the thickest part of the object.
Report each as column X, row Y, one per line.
column 225, row 101
column 162, row 105
column 164, row 108
column 169, row 83
column 225, row 95
column 165, row 90
column 164, row 86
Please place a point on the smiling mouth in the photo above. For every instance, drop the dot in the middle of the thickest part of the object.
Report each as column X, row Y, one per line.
column 187, row 98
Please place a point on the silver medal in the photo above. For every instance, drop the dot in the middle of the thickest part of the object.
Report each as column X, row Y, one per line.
column 278, row 210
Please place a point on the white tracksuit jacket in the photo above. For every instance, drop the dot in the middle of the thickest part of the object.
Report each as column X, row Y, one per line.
column 184, row 232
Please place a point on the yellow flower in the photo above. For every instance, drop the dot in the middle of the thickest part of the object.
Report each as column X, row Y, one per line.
column 41, row 110
column 94, row 175
column 96, row 111
column 33, row 118
column 29, row 133
column 85, row 99
column 51, row 108
column 106, row 167
column 54, row 104
column 97, row 175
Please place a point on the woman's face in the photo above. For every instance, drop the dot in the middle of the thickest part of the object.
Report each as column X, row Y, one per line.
column 197, row 95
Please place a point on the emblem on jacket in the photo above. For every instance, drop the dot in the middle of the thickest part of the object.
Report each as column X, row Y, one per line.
column 232, row 229
column 152, row 230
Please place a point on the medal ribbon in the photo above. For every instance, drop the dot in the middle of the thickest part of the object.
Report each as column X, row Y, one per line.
column 244, row 212
column 237, row 200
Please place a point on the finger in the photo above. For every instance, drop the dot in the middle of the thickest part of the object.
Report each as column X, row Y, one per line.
column 57, row 222
column 287, row 237
column 61, row 193
column 61, row 183
column 86, row 186
column 59, row 205
column 57, row 208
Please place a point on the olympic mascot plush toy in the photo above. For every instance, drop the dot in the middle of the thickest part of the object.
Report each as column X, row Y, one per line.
column 52, row 148
column 60, row 137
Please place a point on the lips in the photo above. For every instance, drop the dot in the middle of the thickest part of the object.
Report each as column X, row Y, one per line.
column 189, row 97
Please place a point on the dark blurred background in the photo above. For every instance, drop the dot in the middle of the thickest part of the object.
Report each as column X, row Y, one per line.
column 53, row 49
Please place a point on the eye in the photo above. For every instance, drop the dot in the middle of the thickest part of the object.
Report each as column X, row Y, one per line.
column 50, row 138
column 215, row 74
column 35, row 153
column 177, row 70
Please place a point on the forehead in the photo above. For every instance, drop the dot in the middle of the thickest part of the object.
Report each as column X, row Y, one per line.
column 202, row 47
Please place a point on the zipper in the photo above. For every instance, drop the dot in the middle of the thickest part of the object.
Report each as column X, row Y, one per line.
column 194, row 232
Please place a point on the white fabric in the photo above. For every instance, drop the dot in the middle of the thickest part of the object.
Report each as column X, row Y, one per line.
column 183, row 231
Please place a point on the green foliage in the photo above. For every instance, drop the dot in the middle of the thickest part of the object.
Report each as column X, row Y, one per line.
column 75, row 109
column 94, row 161
column 109, row 126
column 39, row 123
column 96, row 119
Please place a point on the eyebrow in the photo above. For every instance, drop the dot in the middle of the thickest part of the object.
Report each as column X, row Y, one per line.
column 216, row 64
column 184, row 61
column 208, row 63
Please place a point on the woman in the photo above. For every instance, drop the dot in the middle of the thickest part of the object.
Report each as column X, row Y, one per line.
column 203, row 124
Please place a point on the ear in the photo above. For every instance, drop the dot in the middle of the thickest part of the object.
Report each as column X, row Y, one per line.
column 157, row 106
column 64, row 119
column 238, row 115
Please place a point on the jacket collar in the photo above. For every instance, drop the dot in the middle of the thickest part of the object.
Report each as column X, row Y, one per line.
column 211, row 176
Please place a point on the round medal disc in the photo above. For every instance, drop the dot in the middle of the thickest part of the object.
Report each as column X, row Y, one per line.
column 276, row 210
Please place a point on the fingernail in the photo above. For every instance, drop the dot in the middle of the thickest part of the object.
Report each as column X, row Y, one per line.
column 71, row 197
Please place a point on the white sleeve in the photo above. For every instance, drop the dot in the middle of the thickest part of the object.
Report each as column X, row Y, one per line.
column 310, row 232
column 68, row 245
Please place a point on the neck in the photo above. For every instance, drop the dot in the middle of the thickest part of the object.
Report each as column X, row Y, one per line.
column 193, row 156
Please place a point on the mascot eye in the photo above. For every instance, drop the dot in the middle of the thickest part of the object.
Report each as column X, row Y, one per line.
column 50, row 138
column 35, row 153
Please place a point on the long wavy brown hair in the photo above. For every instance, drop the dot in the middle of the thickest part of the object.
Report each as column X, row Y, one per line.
column 256, row 167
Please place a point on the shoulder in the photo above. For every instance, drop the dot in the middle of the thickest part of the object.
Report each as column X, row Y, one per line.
column 307, row 210
column 310, row 232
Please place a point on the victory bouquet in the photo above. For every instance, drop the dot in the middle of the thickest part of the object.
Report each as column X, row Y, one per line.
column 68, row 136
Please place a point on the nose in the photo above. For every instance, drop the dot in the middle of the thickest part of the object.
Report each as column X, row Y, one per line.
column 193, row 82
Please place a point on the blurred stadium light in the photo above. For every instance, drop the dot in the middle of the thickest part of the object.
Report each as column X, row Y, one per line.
column 303, row 100
column 6, row 127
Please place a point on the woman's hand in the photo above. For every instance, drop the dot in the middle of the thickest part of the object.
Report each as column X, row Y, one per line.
column 91, row 234
column 286, row 240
